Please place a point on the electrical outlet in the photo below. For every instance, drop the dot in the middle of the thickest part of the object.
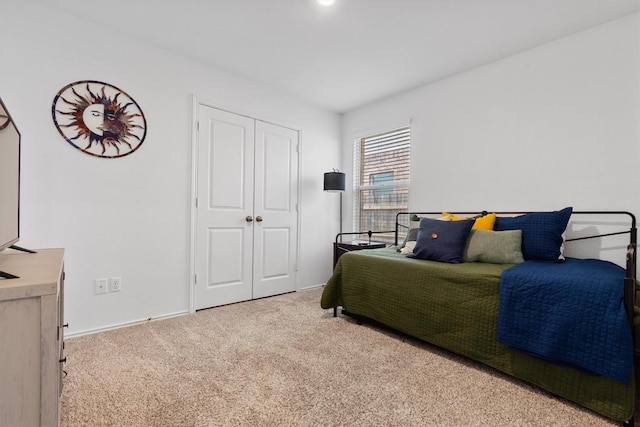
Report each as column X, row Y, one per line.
column 115, row 284
column 101, row 286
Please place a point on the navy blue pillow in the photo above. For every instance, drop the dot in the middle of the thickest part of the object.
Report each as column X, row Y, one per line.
column 441, row 240
column 541, row 232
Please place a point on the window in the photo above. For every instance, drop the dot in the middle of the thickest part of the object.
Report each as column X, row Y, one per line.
column 381, row 180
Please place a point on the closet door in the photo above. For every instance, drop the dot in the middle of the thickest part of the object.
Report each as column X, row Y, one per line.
column 246, row 233
column 275, row 208
column 224, row 232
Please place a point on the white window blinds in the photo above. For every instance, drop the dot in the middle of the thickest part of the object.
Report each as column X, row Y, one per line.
column 381, row 179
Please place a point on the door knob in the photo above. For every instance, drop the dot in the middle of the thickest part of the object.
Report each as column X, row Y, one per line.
column 259, row 218
column 249, row 218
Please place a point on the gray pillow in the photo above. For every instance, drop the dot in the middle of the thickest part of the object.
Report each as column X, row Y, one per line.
column 411, row 236
column 495, row 247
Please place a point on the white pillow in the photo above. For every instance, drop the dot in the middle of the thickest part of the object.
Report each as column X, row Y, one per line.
column 408, row 248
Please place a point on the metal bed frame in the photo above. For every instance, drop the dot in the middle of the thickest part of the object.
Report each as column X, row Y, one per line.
column 631, row 284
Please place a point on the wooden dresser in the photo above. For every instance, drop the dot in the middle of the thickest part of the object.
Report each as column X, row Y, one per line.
column 31, row 337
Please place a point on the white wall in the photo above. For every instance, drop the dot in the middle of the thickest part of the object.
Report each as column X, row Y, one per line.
column 130, row 217
column 554, row 126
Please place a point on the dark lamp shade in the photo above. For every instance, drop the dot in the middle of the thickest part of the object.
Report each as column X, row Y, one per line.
column 334, row 181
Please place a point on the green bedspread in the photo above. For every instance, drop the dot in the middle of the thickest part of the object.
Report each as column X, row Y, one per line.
column 455, row 306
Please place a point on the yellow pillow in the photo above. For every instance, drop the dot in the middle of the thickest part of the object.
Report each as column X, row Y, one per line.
column 452, row 217
column 481, row 223
column 485, row 222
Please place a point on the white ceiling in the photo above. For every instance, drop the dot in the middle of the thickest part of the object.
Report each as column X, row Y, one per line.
column 354, row 52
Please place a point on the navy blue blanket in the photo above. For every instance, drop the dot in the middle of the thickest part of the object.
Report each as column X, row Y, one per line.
column 571, row 313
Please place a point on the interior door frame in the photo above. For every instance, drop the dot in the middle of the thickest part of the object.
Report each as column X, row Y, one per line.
column 196, row 102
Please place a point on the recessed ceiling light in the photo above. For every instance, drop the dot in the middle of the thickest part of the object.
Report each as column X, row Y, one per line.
column 326, row 2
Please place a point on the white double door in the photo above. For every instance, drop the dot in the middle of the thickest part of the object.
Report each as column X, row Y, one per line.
column 246, row 214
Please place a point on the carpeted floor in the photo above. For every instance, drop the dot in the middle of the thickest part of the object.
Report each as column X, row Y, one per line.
column 283, row 361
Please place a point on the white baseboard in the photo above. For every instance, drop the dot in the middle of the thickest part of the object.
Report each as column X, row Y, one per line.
column 122, row 325
column 312, row 287
column 135, row 322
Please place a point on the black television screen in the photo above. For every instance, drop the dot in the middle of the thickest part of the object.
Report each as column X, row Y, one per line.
column 9, row 180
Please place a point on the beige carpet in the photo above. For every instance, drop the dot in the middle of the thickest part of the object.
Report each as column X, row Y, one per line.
column 283, row 361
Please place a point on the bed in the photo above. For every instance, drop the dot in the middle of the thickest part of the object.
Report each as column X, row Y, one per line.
column 525, row 294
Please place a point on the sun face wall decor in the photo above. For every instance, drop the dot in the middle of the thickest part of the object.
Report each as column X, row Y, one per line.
column 99, row 119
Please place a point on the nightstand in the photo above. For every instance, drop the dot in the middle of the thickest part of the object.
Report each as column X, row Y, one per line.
column 340, row 248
